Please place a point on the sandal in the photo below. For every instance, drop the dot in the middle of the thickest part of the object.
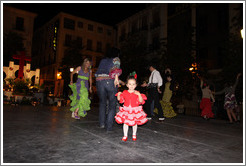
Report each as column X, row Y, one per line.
column 124, row 138
column 134, row 137
column 73, row 115
column 76, row 116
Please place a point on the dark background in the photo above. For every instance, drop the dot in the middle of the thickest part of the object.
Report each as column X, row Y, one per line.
column 106, row 13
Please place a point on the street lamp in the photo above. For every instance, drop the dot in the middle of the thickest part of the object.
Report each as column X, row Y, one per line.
column 71, row 69
column 242, row 33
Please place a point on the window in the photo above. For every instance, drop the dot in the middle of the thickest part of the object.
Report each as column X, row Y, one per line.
column 109, row 32
column 203, row 53
column 89, row 44
column 202, row 25
column 123, row 33
column 69, row 23
column 20, row 23
column 99, row 46
column 90, row 27
column 79, row 41
column 80, row 24
column 100, row 30
column 156, row 43
column 134, row 27
column 108, row 46
column 156, row 19
column 68, row 39
column 144, row 23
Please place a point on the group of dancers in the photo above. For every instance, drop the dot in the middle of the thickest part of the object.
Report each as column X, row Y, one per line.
column 230, row 103
column 132, row 113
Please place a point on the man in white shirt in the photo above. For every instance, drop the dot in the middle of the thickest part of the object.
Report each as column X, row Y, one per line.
column 155, row 82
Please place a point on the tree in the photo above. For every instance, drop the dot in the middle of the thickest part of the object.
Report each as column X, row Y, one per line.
column 12, row 42
column 133, row 50
column 72, row 58
column 233, row 51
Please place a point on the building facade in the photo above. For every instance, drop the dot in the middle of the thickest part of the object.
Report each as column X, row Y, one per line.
column 150, row 24
column 53, row 39
column 20, row 22
column 179, row 31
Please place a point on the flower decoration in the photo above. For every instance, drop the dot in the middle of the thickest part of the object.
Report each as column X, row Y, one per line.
column 134, row 74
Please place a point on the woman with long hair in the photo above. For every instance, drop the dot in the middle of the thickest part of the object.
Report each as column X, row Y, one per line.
column 166, row 104
column 80, row 102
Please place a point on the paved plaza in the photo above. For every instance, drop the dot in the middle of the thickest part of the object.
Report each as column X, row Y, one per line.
column 48, row 134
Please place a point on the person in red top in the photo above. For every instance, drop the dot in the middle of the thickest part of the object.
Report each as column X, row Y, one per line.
column 131, row 114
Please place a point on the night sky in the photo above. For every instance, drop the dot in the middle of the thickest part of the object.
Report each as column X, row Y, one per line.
column 106, row 13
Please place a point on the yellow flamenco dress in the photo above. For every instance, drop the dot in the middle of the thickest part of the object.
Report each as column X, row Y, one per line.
column 166, row 105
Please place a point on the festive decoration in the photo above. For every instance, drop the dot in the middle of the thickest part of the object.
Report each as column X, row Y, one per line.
column 22, row 58
column 134, row 74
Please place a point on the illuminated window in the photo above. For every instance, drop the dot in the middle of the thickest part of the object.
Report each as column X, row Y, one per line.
column 55, row 38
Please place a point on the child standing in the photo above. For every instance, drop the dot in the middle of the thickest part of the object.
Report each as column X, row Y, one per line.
column 131, row 114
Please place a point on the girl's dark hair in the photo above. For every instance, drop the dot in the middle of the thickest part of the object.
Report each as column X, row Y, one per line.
column 131, row 78
column 172, row 82
column 205, row 84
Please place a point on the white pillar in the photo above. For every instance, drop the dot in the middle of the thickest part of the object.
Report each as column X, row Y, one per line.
column 10, row 73
column 37, row 75
column 27, row 70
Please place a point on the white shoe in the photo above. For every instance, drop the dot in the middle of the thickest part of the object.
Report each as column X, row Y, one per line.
column 161, row 118
column 73, row 115
column 149, row 118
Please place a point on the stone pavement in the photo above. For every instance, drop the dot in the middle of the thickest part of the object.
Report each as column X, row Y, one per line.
column 48, row 134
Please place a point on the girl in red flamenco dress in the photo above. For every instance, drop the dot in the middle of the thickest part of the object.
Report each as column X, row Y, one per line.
column 131, row 114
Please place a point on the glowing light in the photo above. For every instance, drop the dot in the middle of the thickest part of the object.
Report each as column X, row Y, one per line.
column 59, row 75
column 71, row 69
column 191, row 68
column 242, row 33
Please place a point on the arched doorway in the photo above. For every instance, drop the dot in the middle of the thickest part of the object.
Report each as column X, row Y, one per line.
column 16, row 73
column 4, row 75
column 33, row 80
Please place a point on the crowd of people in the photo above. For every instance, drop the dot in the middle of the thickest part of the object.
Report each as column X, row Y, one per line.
column 132, row 110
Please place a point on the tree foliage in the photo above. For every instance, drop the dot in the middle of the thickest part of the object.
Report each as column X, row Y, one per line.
column 133, row 50
column 72, row 58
